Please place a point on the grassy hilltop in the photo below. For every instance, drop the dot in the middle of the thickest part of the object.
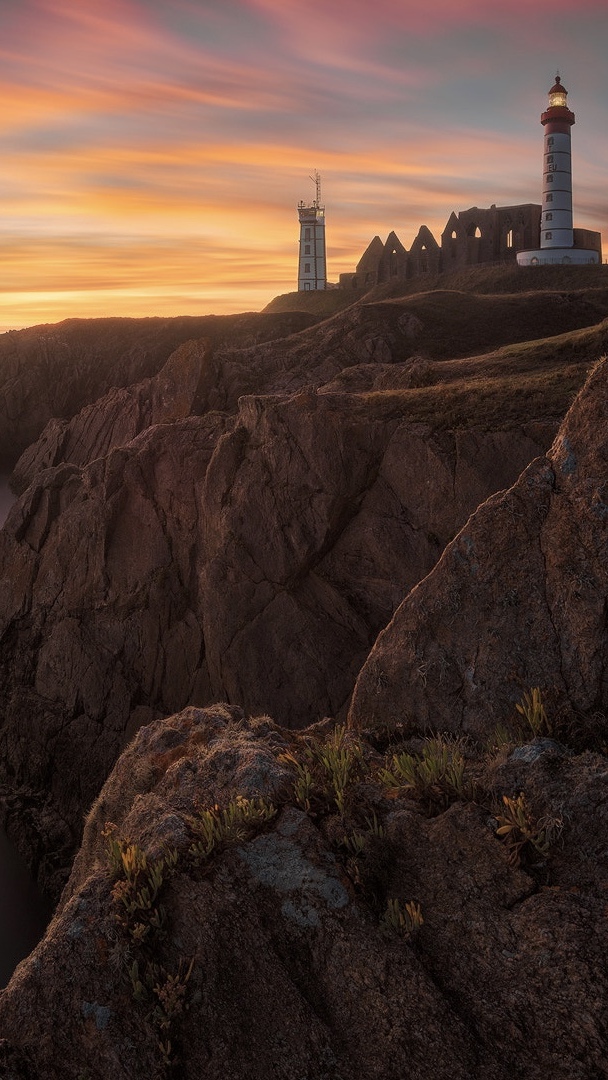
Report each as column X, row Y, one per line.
column 514, row 343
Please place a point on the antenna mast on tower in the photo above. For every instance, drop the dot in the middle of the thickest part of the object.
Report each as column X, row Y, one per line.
column 316, row 179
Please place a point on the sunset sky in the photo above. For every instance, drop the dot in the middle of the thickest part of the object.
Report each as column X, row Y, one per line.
column 153, row 152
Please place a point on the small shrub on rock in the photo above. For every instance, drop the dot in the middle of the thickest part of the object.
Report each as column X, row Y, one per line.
column 436, row 776
column 403, row 921
column 534, row 713
column 216, row 829
column 518, row 829
column 327, row 772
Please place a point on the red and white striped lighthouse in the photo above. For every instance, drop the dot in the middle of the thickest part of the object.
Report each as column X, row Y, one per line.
column 559, row 241
column 556, row 218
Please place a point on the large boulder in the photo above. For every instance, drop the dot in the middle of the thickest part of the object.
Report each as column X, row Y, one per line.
column 269, row 958
column 518, row 599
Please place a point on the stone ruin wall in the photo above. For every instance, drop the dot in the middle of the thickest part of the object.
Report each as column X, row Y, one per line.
column 470, row 238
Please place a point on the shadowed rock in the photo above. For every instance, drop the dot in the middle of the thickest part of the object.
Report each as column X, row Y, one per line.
column 120, row 415
column 50, row 372
column 322, row 512
column 252, row 560
column 518, row 599
column 290, row 973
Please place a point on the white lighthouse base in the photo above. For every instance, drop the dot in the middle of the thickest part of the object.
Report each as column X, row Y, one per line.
column 558, row 256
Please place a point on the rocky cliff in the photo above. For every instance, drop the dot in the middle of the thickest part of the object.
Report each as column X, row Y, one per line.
column 165, row 553
column 253, row 559
column 93, row 381
column 51, row 372
column 225, row 919
column 358, row 504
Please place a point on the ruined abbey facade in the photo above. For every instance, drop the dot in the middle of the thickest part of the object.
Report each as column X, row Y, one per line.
column 471, row 237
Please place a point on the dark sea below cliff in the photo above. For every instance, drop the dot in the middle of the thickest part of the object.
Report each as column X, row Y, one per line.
column 24, row 913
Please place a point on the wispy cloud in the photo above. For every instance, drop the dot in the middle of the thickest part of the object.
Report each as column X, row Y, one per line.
column 153, row 154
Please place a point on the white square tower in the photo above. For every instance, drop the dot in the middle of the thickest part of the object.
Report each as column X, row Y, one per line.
column 312, row 272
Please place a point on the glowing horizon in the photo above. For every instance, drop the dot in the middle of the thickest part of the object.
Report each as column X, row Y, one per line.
column 153, row 155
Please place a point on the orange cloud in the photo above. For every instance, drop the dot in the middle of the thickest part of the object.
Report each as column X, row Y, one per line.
column 153, row 154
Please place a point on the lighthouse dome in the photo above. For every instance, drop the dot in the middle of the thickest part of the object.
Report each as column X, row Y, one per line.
column 557, row 87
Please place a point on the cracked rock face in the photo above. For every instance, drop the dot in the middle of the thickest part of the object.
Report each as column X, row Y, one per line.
column 167, row 557
column 252, row 559
column 518, row 599
column 291, row 974
column 321, row 514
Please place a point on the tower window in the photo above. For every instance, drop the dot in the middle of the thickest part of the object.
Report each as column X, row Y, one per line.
column 307, row 234
column 550, row 140
column 307, row 249
column 307, row 268
column 548, row 217
column 549, row 157
column 550, row 197
column 548, row 236
column 510, row 238
column 549, row 178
